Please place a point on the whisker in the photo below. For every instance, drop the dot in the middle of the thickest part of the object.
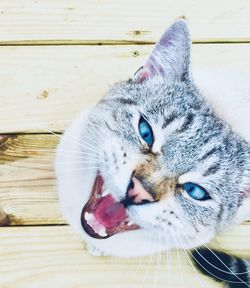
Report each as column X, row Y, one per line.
column 149, row 264
column 84, row 155
column 178, row 257
column 97, row 131
column 168, row 267
column 192, row 265
column 47, row 130
column 158, row 264
column 224, row 280
column 85, row 168
column 86, row 146
column 224, row 271
column 77, row 141
column 141, row 259
column 80, row 162
column 77, row 152
column 215, row 275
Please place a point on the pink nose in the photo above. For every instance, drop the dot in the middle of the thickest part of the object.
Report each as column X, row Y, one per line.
column 138, row 193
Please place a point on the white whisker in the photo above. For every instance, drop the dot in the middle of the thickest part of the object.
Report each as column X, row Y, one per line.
column 86, row 168
column 81, row 162
column 158, row 263
column 178, row 257
column 192, row 265
column 229, row 271
column 149, row 263
column 141, row 259
column 241, row 281
column 96, row 127
column 47, row 130
column 167, row 254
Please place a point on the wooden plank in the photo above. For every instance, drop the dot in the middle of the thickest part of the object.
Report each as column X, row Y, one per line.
column 60, row 260
column 112, row 21
column 43, row 87
column 234, row 240
column 27, row 186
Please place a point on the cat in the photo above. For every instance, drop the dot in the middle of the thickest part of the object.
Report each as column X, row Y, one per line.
column 153, row 161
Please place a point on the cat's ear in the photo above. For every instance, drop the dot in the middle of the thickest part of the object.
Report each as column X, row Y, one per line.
column 171, row 55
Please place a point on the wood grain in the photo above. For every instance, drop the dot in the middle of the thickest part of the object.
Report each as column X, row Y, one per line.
column 111, row 21
column 44, row 87
column 27, row 187
column 44, row 256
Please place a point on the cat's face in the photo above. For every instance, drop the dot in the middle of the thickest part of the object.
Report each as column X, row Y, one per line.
column 188, row 145
column 159, row 162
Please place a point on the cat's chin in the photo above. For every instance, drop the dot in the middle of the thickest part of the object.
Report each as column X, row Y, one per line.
column 102, row 216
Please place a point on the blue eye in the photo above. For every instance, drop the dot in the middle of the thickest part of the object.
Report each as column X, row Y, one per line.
column 195, row 191
column 146, row 132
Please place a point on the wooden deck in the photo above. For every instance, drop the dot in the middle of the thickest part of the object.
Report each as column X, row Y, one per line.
column 51, row 66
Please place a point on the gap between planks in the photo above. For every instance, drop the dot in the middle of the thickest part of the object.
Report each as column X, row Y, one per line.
column 110, row 42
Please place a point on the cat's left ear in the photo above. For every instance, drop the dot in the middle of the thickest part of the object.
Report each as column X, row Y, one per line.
column 171, row 55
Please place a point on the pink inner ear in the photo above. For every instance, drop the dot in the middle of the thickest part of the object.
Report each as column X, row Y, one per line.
column 247, row 192
column 151, row 68
column 170, row 55
column 142, row 74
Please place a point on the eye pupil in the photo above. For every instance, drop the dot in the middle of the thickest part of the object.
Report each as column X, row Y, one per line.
column 196, row 192
column 145, row 131
column 191, row 189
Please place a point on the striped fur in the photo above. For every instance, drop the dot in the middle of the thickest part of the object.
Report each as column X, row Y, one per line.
column 223, row 267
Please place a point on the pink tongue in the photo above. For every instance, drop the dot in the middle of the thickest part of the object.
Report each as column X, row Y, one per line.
column 109, row 212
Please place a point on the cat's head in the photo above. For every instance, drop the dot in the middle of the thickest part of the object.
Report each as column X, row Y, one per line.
column 157, row 161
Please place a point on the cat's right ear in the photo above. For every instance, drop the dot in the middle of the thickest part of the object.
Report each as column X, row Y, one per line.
column 171, row 55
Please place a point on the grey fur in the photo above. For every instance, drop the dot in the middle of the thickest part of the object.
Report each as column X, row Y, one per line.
column 156, row 99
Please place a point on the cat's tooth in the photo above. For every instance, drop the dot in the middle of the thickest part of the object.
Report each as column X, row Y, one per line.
column 105, row 193
column 88, row 216
column 102, row 232
column 130, row 223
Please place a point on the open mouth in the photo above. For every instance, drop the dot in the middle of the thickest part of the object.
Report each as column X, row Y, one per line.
column 102, row 216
